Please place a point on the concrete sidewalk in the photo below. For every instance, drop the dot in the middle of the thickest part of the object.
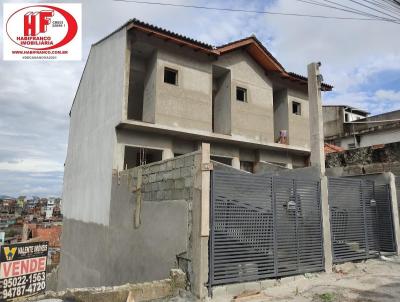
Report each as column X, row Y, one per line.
column 370, row 281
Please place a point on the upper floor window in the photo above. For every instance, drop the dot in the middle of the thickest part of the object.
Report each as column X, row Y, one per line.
column 296, row 108
column 170, row 76
column 241, row 94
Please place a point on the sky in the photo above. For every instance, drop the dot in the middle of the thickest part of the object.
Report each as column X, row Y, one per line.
column 361, row 59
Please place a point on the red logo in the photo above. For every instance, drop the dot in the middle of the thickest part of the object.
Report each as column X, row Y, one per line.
column 44, row 27
column 35, row 23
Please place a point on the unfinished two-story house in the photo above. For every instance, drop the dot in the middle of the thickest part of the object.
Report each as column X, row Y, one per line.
column 149, row 95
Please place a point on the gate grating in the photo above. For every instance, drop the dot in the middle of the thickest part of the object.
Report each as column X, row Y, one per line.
column 263, row 227
column 354, row 223
column 385, row 219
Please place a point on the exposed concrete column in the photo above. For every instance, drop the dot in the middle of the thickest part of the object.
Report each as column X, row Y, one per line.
column 119, row 154
column 316, row 120
column 167, row 154
column 395, row 212
column 205, row 189
column 289, row 166
column 318, row 155
column 236, row 162
column 201, row 223
column 326, row 225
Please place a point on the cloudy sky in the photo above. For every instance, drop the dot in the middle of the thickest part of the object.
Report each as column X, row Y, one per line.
column 360, row 58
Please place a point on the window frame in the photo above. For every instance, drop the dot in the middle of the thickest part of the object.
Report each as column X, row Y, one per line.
column 175, row 71
column 298, row 106
column 245, row 94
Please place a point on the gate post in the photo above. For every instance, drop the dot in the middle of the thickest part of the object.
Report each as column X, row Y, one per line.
column 326, row 225
column 201, row 223
column 317, row 157
column 395, row 211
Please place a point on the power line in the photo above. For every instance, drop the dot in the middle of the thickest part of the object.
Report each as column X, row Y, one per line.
column 386, row 9
column 253, row 11
column 372, row 8
column 345, row 9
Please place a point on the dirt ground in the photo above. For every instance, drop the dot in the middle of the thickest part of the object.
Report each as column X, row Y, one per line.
column 375, row 280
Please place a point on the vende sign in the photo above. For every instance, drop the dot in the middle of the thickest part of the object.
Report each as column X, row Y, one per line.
column 42, row 31
column 22, row 269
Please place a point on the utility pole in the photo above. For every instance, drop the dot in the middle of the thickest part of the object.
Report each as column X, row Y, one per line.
column 317, row 157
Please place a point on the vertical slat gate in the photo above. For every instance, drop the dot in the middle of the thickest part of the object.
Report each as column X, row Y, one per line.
column 385, row 219
column 353, row 217
column 263, row 227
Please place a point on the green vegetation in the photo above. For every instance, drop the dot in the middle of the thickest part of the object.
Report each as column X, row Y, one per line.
column 327, row 297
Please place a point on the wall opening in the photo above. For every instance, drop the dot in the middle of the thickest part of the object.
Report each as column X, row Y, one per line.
column 136, row 156
column 241, row 94
column 221, row 100
column 138, row 80
column 170, row 76
column 222, row 160
column 281, row 115
column 296, row 108
column 247, row 166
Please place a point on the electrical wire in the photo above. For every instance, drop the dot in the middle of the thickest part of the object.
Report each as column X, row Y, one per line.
column 345, row 9
column 354, row 1
column 253, row 11
column 374, row 122
column 395, row 20
column 385, row 9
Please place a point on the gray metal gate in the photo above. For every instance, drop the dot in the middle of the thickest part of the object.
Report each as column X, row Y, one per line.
column 263, row 227
column 361, row 221
column 385, row 218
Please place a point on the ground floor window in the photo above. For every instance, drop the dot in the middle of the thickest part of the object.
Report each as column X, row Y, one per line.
column 137, row 156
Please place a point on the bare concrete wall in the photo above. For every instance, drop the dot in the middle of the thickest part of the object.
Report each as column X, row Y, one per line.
column 333, row 120
column 187, row 104
column 222, row 105
column 94, row 114
column 254, row 118
column 299, row 124
column 150, row 90
column 97, row 255
column 281, row 112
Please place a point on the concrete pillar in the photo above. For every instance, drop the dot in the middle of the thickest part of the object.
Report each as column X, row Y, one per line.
column 236, row 162
column 289, row 166
column 395, row 212
column 119, row 156
column 205, row 189
column 201, row 224
column 167, row 154
column 317, row 158
column 326, row 225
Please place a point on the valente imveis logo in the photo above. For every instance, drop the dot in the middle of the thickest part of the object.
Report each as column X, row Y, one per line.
column 42, row 31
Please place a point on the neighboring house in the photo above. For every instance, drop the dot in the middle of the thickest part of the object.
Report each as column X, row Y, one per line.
column 351, row 128
column 147, row 94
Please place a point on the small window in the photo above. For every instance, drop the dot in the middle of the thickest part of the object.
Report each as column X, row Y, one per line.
column 170, row 76
column 346, row 118
column 296, row 108
column 241, row 94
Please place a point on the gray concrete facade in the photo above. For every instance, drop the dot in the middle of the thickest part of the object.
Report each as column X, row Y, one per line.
column 133, row 225
column 146, row 233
